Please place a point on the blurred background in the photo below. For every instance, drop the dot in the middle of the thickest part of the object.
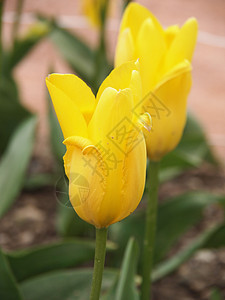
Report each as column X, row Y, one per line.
column 207, row 95
column 36, row 212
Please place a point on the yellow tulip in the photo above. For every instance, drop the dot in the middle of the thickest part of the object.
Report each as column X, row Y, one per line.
column 165, row 70
column 106, row 152
column 93, row 9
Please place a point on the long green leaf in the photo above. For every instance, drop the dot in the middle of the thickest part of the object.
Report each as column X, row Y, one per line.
column 126, row 284
column 23, row 45
column 38, row 181
column 217, row 240
column 12, row 113
column 64, row 285
column 34, row 261
column 56, row 136
column 28, row 263
column 173, row 263
column 9, row 289
column 14, row 163
column 177, row 215
column 216, row 294
column 60, row 255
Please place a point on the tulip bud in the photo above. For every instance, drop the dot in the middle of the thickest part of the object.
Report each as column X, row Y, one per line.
column 106, row 150
column 165, row 69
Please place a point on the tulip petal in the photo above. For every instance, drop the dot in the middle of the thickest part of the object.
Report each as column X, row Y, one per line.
column 112, row 112
column 170, row 34
column 136, row 88
column 151, row 47
column 134, row 168
column 183, row 45
column 179, row 69
column 134, row 179
column 84, row 168
column 134, row 15
column 70, row 118
column 77, row 90
column 167, row 106
column 119, row 78
column 125, row 48
column 110, row 128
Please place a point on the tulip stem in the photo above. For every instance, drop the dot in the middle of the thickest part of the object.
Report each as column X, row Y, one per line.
column 1, row 23
column 19, row 7
column 150, row 229
column 100, row 249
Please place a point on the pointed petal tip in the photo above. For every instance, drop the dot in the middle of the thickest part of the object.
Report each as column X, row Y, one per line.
column 193, row 23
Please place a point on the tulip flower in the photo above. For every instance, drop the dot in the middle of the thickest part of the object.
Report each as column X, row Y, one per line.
column 165, row 68
column 105, row 160
column 93, row 10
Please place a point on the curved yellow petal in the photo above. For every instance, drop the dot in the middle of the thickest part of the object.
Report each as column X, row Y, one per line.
column 70, row 118
column 83, row 165
column 171, row 33
column 119, row 78
column 111, row 119
column 133, row 17
column 183, row 45
column 110, row 128
column 167, row 107
column 133, row 179
column 151, row 47
column 125, row 50
column 77, row 90
column 136, row 88
column 183, row 67
column 128, row 177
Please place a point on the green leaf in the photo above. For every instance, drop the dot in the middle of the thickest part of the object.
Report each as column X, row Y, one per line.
column 34, row 35
column 217, row 240
column 34, row 261
column 126, row 284
column 56, row 135
column 192, row 151
column 9, row 289
column 38, row 181
column 177, row 215
column 12, row 113
column 173, row 263
column 66, row 285
column 216, row 294
column 121, row 232
column 14, row 163
column 59, row 255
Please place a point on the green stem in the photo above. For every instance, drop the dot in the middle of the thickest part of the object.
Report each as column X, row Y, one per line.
column 1, row 47
column 150, row 229
column 101, row 58
column 100, row 249
column 16, row 23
